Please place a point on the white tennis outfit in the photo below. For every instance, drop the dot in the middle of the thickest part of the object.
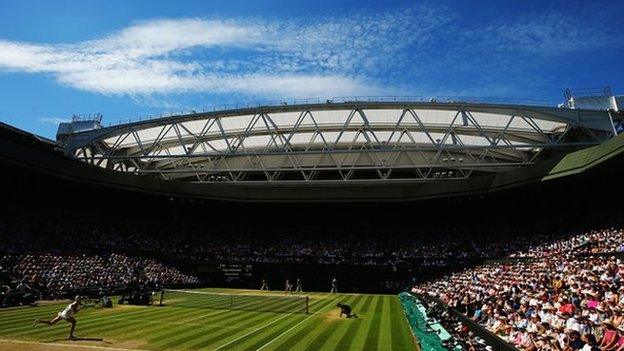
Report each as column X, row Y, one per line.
column 68, row 312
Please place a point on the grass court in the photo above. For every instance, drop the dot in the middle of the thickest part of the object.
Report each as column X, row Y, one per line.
column 381, row 326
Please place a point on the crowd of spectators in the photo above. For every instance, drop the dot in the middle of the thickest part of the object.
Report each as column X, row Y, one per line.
column 62, row 253
column 349, row 245
column 462, row 337
column 595, row 241
column 29, row 277
column 563, row 295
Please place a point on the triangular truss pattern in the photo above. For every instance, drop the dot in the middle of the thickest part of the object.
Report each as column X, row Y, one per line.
column 341, row 143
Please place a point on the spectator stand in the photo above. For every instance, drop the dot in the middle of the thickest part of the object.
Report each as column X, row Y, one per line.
column 580, row 278
column 489, row 338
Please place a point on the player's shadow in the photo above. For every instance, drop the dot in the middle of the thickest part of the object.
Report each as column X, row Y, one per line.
column 88, row 339
column 81, row 339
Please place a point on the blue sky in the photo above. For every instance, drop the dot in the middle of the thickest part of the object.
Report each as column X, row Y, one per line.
column 137, row 58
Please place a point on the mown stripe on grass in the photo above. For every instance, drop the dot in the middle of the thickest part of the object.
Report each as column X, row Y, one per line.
column 110, row 321
column 318, row 329
column 338, row 325
column 305, row 321
column 111, row 317
column 145, row 332
column 371, row 329
column 251, row 334
column 286, row 305
column 117, row 329
column 97, row 326
column 221, row 336
column 228, row 345
column 216, row 338
column 256, row 340
column 24, row 327
column 338, row 330
column 231, row 317
column 28, row 312
column 175, row 313
column 34, row 345
column 382, row 325
column 347, row 338
column 241, row 320
column 401, row 334
column 281, row 302
column 31, row 316
column 384, row 341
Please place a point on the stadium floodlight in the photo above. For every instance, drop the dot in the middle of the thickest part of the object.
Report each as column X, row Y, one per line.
column 260, row 303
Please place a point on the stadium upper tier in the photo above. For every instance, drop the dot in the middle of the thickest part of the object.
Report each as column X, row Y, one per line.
column 339, row 142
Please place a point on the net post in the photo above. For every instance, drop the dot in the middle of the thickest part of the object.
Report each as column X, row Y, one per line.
column 162, row 292
column 307, row 305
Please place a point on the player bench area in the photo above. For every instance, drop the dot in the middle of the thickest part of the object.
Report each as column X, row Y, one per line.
column 225, row 319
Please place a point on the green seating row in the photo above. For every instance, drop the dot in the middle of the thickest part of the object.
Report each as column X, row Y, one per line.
column 430, row 334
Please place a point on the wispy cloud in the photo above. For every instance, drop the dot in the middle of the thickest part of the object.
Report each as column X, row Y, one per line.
column 254, row 56
column 357, row 54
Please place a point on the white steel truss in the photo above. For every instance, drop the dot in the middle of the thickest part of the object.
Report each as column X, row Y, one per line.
column 339, row 142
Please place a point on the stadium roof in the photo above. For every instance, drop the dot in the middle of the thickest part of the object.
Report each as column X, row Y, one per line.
column 340, row 141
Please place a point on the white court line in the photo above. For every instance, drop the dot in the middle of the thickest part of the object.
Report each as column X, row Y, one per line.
column 252, row 332
column 63, row 345
column 295, row 326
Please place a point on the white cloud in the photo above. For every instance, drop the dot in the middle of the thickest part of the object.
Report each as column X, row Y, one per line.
column 356, row 54
column 161, row 56
column 158, row 37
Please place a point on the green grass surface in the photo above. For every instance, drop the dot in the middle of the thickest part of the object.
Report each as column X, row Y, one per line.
column 381, row 326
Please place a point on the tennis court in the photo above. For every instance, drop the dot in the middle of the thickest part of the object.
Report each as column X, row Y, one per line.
column 224, row 319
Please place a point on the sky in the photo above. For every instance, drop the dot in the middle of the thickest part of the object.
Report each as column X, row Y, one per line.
column 133, row 59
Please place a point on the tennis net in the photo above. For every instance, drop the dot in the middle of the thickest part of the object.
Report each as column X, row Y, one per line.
column 260, row 303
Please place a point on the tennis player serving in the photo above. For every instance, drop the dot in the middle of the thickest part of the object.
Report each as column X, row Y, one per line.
column 67, row 314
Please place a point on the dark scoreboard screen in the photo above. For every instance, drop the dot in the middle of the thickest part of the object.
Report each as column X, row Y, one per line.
column 234, row 271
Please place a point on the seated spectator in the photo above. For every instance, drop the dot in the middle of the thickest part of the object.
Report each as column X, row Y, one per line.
column 610, row 336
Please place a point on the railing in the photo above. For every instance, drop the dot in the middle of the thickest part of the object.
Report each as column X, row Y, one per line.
column 340, row 99
column 587, row 92
column 96, row 117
